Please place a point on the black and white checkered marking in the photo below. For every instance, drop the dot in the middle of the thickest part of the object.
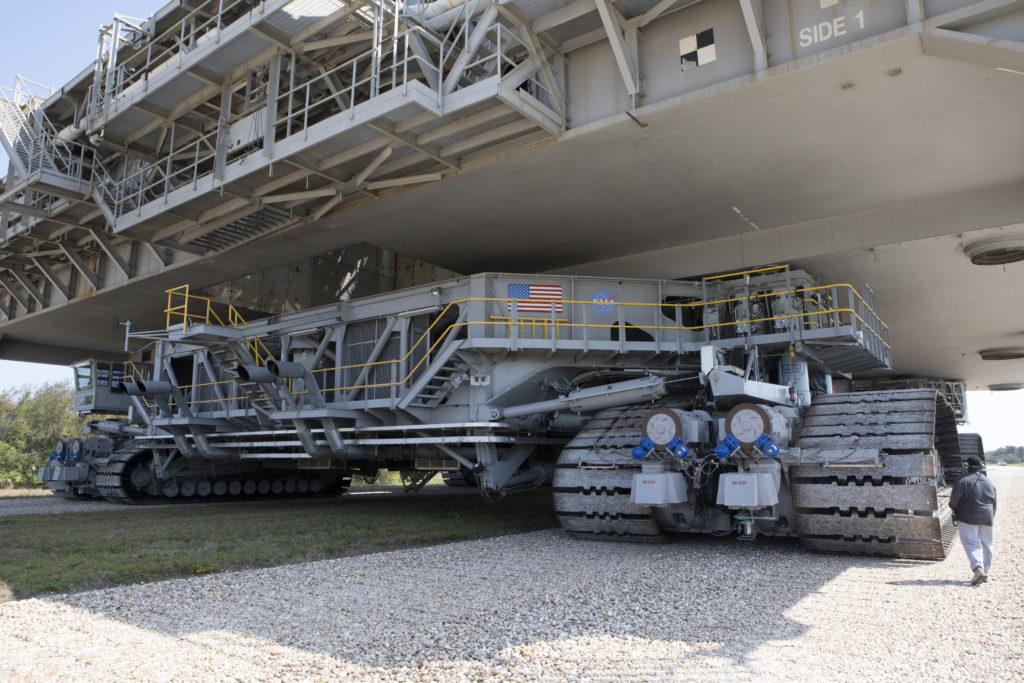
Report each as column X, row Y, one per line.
column 697, row 50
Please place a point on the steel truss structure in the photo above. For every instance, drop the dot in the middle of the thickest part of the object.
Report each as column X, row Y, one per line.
column 215, row 124
column 211, row 127
column 459, row 372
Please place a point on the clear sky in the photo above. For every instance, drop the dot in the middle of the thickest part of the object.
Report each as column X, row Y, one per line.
column 71, row 33
column 51, row 41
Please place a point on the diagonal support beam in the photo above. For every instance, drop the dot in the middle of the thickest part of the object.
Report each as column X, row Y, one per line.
column 159, row 252
column 23, row 279
column 13, row 291
column 533, row 44
column 51, row 276
column 419, row 50
column 5, row 310
column 328, row 205
column 372, row 166
column 472, row 45
column 753, row 10
column 79, row 263
column 108, row 247
column 612, row 20
column 431, row 151
column 659, row 9
column 517, row 76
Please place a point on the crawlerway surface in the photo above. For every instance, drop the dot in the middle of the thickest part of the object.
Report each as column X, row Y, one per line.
column 540, row 606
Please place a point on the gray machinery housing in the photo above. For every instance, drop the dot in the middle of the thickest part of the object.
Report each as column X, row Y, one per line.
column 652, row 407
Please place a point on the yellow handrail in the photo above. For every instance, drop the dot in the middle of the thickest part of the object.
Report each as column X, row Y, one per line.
column 256, row 343
column 259, row 350
column 766, row 269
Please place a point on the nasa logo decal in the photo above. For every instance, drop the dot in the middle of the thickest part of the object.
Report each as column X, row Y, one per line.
column 604, row 301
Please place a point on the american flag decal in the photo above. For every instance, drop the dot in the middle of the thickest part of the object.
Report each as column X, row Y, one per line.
column 535, row 298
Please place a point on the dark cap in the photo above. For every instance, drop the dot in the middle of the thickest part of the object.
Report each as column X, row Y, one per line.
column 974, row 464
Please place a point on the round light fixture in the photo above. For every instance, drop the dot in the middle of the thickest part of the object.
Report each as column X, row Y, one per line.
column 1004, row 353
column 996, row 251
column 1008, row 386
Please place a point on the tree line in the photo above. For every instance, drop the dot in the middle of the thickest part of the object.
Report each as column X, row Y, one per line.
column 1011, row 454
column 32, row 420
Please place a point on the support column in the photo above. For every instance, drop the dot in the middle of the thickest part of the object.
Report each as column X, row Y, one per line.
column 273, row 85
column 223, row 132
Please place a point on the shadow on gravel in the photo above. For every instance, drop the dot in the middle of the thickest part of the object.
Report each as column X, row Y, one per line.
column 502, row 599
column 929, row 582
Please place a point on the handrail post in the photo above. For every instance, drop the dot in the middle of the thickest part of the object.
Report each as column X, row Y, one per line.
column 195, row 167
column 305, row 116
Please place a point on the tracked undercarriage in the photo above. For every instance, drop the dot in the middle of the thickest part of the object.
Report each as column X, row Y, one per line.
column 653, row 407
column 867, row 473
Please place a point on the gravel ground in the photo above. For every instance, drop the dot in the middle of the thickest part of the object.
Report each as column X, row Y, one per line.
column 541, row 606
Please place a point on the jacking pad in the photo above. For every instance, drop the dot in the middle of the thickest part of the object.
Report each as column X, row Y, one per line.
column 664, row 488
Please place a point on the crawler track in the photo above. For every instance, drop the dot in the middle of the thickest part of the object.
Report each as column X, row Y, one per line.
column 594, row 477
column 114, row 483
column 971, row 446
column 898, row 508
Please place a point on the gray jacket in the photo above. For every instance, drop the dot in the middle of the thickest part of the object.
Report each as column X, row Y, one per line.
column 974, row 499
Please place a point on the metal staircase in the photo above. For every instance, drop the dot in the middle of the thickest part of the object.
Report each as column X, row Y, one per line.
column 35, row 145
column 240, row 230
column 441, row 384
column 17, row 135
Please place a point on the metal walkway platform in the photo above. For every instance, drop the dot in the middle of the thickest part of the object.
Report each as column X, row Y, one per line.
column 217, row 140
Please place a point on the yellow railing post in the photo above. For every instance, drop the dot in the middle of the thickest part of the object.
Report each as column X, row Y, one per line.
column 829, row 311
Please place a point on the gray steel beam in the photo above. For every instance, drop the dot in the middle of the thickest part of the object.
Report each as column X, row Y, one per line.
column 526, row 34
column 270, row 118
column 336, row 41
column 753, row 10
column 159, row 252
column 563, row 15
column 274, row 35
column 472, row 121
column 51, row 276
column 612, row 21
column 13, row 291
column 108, row 247
column 23, row 279
column 915, row 11
column 221, row 156
column 431, row 151
column 659, row 9
column 79, row 263
column 476, row 38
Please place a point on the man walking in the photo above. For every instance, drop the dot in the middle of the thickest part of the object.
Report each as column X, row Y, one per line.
column 974, row 502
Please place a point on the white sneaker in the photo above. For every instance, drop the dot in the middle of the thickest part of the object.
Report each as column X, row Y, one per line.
column 979, row 576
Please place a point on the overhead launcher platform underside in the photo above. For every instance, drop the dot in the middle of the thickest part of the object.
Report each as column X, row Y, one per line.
column 634, row 138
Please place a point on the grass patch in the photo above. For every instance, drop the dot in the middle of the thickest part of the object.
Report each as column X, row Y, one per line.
column 67, row 552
